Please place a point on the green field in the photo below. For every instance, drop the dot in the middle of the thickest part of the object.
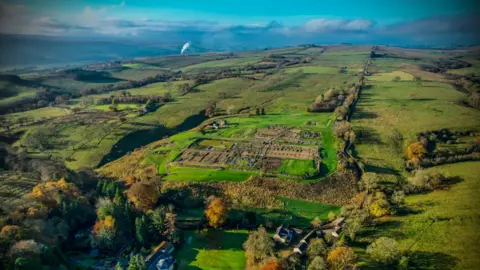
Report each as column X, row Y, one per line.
column 441, row 231
column 212, row 250
column 201, row 174
column 410, row 109
column 297, row 167
column 306, row 211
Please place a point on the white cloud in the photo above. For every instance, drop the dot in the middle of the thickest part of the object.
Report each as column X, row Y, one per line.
column 328, row 25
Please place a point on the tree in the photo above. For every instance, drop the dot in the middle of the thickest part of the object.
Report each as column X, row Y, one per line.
column 427, row 179
column 370, row 181
column 417, row 80
column 167, row 96
column 258, row 246
column 416, row 151
column 341, row 112
column 142, row 230
column 398, row 197
column 396, row 79
column 384, row 250
column 157, row 217
column 113, row 107
column 216, row 213
column 353, row 225
column 317, row 264
column 118, row 266
column 379, row 208
column 274, row 264
column 317, row 247
column 263, row 111
column 104, row 233
column 316, row 222
column 331, row 216
column 143, row 195
column 137, row 262
column 341, row 258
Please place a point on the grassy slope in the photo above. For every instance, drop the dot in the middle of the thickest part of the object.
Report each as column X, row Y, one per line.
column 442, row 225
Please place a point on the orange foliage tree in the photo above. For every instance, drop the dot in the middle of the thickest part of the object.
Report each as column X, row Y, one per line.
column 107, row 224
column 143, row 194
column 216, row 213
column 341, row 258
column 49, row 193
column 11, row 232
column 416, row 151
column 130, row 180
column 273, row 264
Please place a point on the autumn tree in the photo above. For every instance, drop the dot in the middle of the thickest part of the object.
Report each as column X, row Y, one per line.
column 274, row 264
column 258, row 246
column 379, row 208
column 51, row 193
column 416, row 151
column 384, row 250
column 216, row 213
column 143, row 195
column 341, row 258
column 104, row 232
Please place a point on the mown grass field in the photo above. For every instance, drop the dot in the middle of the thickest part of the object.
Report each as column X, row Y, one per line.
column 441, row 229
column 296, row 167
column 212, row 250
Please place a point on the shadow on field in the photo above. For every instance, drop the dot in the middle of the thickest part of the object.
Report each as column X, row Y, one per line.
column 367, row 135
column 381, row 170
column 431, row 260
column 360, row 113
column 389, row 228
column 450, row 181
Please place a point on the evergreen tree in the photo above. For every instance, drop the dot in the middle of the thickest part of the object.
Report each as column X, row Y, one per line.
column 141, row 230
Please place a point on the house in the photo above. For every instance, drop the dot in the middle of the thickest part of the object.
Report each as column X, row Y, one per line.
column 301, row 248
column 333, row 227
column 284, row 235
column 161, row 258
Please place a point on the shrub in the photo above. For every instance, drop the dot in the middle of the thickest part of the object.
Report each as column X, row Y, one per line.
column 384, row 250
column 341, row 258
column 427, row 179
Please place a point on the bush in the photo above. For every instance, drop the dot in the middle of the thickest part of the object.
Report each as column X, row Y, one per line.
column 384, row 250
column 341, row 258
column 427, row 179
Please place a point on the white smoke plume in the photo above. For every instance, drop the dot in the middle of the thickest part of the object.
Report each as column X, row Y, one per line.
column 185, row 47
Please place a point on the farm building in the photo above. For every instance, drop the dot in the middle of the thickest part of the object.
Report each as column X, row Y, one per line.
column 284, row 235
column 301, row 248
column 161, row 257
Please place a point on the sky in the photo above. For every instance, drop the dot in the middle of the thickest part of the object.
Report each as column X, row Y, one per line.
column 249, row 23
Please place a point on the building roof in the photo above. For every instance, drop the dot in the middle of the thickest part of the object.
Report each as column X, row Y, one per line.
column 161, row 251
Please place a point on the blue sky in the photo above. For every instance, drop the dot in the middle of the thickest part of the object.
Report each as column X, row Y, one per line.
column 249, row 21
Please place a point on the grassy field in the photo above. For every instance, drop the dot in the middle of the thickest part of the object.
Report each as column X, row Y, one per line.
column 297, row 167
column 306, row 211
column 205, row 174
column 389, row 76
column 212, row 250
column 285, row 103
column 441, row 230
column 409, row 108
